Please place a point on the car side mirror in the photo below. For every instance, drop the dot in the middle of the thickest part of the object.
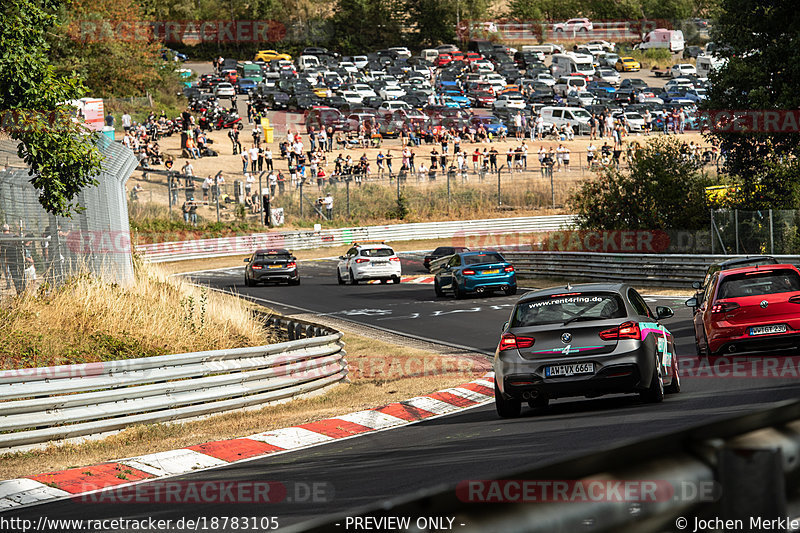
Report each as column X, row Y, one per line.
column 696, row 284
column 664, row 312
column 246, row 259
column 505, row 326
column 691, row 302
column 342, row 257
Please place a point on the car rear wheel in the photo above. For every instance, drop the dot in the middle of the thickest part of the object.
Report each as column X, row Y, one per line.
column 339, row 277
column 655, row 392
column 511, row 290
column 506, row 408
column 542, row 402
column 395, row 279
column 459, row 292
column 294, row 281
column 675, row 386
column 384, row 281
column 353, row 280
column 437, row 288
column 248, row 282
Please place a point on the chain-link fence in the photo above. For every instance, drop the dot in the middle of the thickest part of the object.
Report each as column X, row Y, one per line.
column 769, row 231
column 37, row 247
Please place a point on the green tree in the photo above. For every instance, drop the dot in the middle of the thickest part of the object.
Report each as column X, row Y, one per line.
column 759, row 41
column 362, row 25
column 661, row 190
column 435, row 21
column 62, row 158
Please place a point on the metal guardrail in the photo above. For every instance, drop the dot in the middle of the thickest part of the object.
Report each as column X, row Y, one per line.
column 666, row 270
column 736, row 469
column 300, row 240
column 50, row 403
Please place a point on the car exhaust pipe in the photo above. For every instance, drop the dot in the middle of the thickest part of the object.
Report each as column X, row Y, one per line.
column 480, row 290
column 526, row 395
column 534, row 394
column 732, row 348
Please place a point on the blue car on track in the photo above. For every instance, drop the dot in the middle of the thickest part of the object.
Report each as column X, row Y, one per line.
column 474, row 272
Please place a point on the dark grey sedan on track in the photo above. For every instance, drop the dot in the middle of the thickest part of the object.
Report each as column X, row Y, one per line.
column 271, row 266
column 587, row 340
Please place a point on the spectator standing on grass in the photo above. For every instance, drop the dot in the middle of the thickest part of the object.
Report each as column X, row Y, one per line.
column 249, row 180
column 493, row 159
column 388, row 159
column 245, row 161
column 206, row 186
column 510, row 159
column 476, row 155
column 565, row 154
column 328, row 203
column 253, row 157
column 268, row 157
column 233, row 135
column 518, row 125
column 273, row 183
column 126, row 122
column 322, row 139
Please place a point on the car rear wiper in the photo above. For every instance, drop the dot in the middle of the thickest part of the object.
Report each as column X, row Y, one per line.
column 578, row 318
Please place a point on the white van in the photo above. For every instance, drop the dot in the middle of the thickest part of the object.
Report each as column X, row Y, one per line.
column 572, row 63
column 662, row 38
column 577, row 117
column 565, row 84
column 307, row 62
column 429, row 54
column 707, row 64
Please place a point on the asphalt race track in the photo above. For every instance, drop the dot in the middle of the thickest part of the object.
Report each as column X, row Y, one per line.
column 474, row 444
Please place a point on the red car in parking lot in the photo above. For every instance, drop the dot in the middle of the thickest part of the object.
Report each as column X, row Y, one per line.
column 749, row 309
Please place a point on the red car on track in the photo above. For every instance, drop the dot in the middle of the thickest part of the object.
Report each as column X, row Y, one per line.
column 749, row 309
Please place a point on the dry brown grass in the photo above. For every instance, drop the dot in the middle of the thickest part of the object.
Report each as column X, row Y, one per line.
column 88, row 320
column 380, row 372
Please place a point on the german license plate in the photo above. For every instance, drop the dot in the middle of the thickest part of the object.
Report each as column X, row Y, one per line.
column 493, row 271
column 573, row 369
column 380, row 263
column 276, row 266
column 766, row 330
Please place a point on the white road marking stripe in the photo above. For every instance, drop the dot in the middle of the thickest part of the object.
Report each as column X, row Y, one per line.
column 372, row 419
column 16, row 492
column 289, row 438
column 172, row 462
column 484, row 382
column 431, row 404
column 468, row 394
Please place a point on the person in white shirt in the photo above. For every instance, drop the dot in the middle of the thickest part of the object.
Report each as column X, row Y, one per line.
column 206, row 186
column 253, row 158
column 570, row 132
column 328, row 203
column 245, row 160
column 268, row 157
column 560, row 157
column 539, row 126
column 565, row 154
column 249, row 180
column 590, row 154
column 126, row 122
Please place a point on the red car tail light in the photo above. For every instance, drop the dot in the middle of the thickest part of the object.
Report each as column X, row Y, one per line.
column 291, row 265
column 508, row 269
column 627, row 330
column 468, row 272
column 362, row 260
column 257, row 267
column 724, row 307
column 509, row 341
column 395, row 259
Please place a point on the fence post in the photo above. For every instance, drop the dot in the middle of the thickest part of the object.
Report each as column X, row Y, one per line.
column 347, row 187
column 736, row 226
column 771, row 237
column 712, row 232
column 552, row 186
column 301, row 198
column 499, row 198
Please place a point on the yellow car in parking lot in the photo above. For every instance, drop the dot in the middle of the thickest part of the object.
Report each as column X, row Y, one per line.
column 627, row 64
column 269, row 55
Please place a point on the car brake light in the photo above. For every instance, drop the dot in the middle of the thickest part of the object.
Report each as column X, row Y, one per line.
column 257, row 267
column 509, row 341
column 627, row 330
column 394, row 259
column 508, row 269
column 468, row 272
column 362, row 260
column 291, row 265
column 724, row 307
